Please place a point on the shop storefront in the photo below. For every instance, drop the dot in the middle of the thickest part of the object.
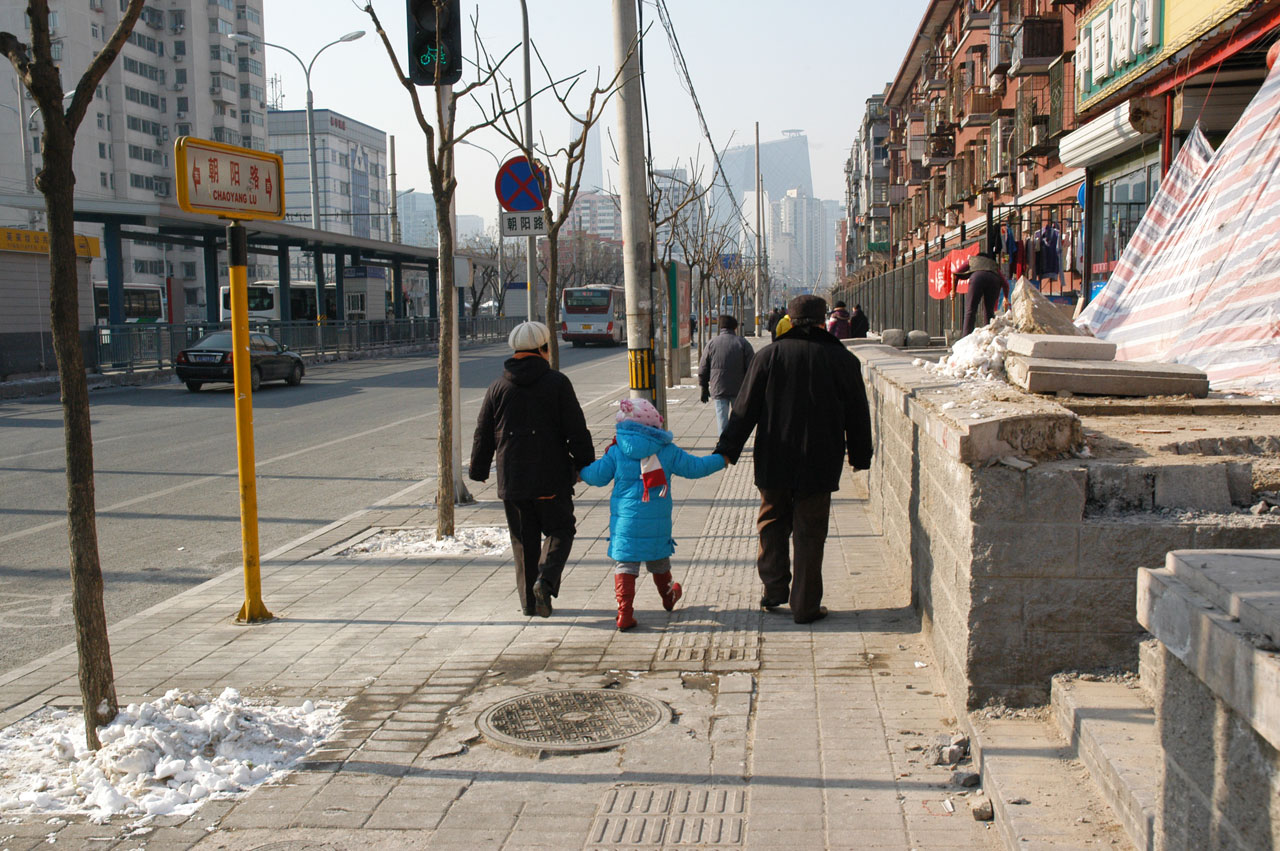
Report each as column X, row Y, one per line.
column 1147, row 72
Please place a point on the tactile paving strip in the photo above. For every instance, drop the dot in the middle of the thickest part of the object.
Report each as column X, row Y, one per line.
column 721, row 633
column 571, row 720
column 648, row 818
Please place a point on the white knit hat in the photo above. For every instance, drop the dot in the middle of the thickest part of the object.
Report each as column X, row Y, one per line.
column 528, row 337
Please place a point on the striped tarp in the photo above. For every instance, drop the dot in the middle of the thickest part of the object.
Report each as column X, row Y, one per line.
column 1199, row 281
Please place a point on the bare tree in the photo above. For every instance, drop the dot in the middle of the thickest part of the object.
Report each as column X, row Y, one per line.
column 36, row 69
column 441, row 138
column 668, row 205
column 563, row 167
column 703, row 244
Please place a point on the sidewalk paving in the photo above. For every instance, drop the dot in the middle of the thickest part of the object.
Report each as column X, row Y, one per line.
column 782, row 736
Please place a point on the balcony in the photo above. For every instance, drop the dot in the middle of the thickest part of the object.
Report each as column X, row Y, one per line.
column 981, row 107
column 974, row 19
column 224, row 94
column 1062, row 98
column 897, row 139
column 1036, row 45
column 938, row 152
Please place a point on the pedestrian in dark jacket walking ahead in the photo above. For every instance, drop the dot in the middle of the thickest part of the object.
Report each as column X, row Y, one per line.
column 641, row 462
column 532, row 420
column 723, row 366
column 859, row 323
column 804, row 397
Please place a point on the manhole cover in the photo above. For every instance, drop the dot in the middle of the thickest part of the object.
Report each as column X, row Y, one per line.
column 571, row 720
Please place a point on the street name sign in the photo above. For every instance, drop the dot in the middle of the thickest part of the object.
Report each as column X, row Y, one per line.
column 520, row 187
column 524, row 224
column 224, row 180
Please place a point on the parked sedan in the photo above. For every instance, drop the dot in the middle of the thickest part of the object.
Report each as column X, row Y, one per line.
column 209, row 359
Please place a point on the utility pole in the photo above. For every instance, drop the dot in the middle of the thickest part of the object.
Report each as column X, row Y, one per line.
column 530, row 264
column 395, row 218
column 634, row 203
column 759, row 228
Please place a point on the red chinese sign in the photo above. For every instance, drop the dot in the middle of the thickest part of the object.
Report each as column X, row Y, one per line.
column 942, row 279
column 227, row 181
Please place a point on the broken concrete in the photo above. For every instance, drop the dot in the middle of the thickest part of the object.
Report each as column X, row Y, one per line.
column 1061, row 347
column 1105, row 378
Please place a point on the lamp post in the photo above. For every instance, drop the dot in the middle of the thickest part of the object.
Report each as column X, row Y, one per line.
column 311, row 119
column 27, row 166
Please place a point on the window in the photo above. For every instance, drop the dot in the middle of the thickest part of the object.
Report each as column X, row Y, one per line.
column 102, row 121
column 142, row 69
column 219, row 53
column 251, row 92
column 253, row 66
column 178, row 20
column 181, row 104
column 147, row 43
column 102, row 176
column 138, row 96
column 55, row 51
column 344, row 188
column 179, row 48
column 102, row 151
column 183, row 129
column 344, row 160
column 142, row 125
column 180, row 76
column 244, row 13
column 147, row 155
column 221, row 27
column 94, row 31
column 188, row 269
column 144, row 267
column 225, row 4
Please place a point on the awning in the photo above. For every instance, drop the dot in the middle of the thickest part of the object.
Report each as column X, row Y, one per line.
column 1115, row 131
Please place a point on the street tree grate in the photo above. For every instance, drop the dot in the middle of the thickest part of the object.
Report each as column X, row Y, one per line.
column 571, row 720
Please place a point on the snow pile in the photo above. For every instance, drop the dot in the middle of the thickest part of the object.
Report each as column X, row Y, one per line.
column 481, row 540
column 159, row 758
column 979, row 355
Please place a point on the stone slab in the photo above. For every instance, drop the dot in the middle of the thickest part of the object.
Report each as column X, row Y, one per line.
column 1231, row 659
column 1242, row 583
column 1061, row 347
column 1106, row 378
column 1199, row 486
column 1113, row 732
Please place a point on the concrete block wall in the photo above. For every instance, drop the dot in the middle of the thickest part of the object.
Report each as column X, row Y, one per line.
column 1017, row 574
column 1214, row 678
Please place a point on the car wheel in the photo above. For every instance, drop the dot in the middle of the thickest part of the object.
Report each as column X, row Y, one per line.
column 577, row 344
column 255, row 379
column 295, row 375
column 194, row 386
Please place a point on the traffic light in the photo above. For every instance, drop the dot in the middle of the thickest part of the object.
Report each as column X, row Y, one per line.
column 435, row 42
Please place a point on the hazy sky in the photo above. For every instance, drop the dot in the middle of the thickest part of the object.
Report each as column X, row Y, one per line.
column 804, row 64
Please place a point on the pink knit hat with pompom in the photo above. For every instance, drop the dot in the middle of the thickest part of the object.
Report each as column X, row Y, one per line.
column 639, row 410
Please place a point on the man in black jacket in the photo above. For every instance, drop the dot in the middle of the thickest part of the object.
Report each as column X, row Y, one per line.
column 532, row 420
column 804, row 393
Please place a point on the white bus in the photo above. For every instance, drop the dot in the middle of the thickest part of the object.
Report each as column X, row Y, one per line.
column 142, row 303
column 264, row 301
column 593, row 315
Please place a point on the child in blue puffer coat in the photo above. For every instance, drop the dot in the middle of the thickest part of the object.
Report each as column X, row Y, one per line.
column 640, row 462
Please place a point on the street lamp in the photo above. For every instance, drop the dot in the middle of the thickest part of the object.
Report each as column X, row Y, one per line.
column 311, row 119
column 27, row 165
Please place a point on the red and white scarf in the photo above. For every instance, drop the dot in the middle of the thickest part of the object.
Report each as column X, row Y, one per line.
column 653, row 476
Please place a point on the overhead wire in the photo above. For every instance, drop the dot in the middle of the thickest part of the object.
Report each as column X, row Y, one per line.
column 664, row 15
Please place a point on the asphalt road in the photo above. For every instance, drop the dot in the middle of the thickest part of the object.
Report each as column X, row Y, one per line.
column 351, row 435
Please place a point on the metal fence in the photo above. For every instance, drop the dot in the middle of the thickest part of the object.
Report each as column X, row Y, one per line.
column 899, row 298
column 152, row 346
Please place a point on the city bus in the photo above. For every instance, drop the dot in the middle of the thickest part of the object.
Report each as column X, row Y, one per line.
column 142, row 303
column 264, row 301
column 593, row 315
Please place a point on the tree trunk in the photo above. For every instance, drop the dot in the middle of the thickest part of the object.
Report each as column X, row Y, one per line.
column 97, row 681
column 444, row 374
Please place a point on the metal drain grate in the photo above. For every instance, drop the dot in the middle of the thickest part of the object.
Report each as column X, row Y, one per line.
column 571, row 720
column 647, row 818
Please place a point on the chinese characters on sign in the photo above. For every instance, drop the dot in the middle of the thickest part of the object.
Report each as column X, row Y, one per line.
column 1120, row 38
column 524, row 224
column 238, row 183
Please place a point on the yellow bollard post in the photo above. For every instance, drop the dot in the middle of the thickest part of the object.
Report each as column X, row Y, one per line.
column 254, row 610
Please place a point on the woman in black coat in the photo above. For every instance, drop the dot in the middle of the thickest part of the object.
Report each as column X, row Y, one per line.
column 532, row 422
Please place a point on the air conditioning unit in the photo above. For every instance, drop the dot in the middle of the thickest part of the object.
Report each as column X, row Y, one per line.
column 178, row 57
column 177, row 87
column 180, row 114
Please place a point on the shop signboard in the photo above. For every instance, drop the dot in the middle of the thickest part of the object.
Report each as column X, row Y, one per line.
column 1116, row 42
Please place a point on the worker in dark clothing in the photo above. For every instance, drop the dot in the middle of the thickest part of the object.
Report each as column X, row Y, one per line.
column 986, row 283
column 859, row 323
column 531, row 419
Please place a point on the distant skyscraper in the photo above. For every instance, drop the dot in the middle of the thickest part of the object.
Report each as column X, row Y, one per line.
column 417, row 214
column 592, row 166
column 784, row 166
column 598, row 214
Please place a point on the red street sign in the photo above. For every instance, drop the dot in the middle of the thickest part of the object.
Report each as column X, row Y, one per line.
column 517, row 187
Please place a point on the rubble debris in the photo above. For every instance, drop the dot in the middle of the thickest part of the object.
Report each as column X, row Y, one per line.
column 982, row 810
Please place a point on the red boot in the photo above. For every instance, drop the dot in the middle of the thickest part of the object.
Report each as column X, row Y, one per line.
column 624, row 588
column 671, row 591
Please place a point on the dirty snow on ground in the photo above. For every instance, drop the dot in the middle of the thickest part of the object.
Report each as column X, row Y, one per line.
column 159, row 758
column 476, row 540
column 977, row 356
